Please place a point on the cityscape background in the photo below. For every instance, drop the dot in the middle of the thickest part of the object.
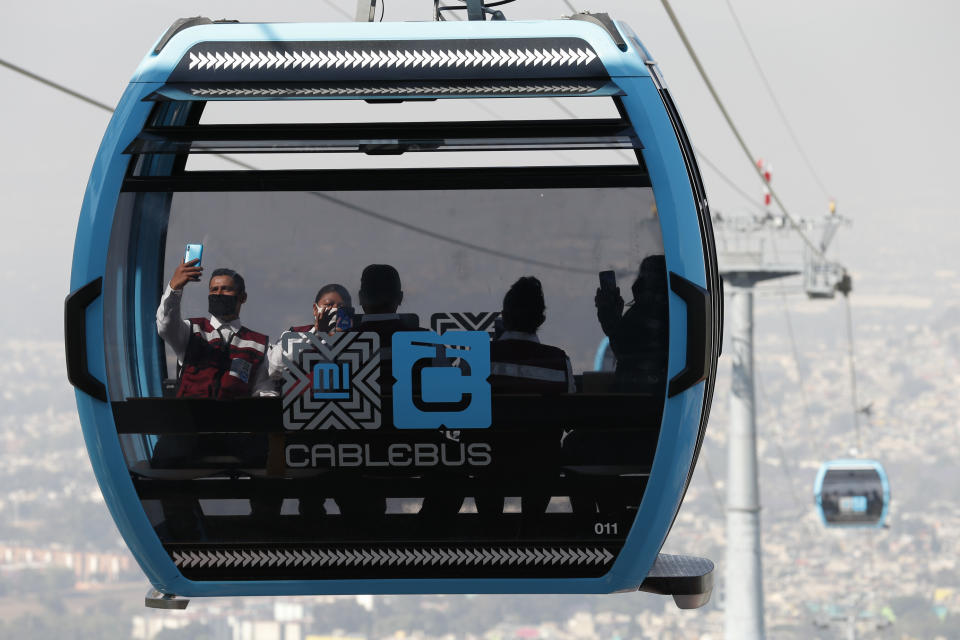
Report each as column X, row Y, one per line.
column 868, row 87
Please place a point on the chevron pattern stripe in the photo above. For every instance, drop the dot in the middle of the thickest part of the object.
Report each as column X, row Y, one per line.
column 277, row 92
column 301, row 351
column 360, row 557
column 483, row 321
column 214, row 60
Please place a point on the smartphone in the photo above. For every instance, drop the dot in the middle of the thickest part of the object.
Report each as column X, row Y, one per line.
column 344, row 318
column 193, row 252
column 608, row 281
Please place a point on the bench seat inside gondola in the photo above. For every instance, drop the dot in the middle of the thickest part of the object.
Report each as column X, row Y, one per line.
column 607, row 454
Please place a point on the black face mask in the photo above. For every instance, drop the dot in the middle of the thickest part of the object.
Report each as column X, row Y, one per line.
column 221, row 306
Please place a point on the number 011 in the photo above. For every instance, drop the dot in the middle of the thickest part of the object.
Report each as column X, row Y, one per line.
column 605, row 528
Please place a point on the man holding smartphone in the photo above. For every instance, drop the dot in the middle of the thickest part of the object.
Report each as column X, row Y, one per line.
column 220, row 358
column 638, row 331
column 521, row 364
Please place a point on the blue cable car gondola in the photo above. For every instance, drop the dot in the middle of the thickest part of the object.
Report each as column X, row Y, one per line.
column 376, row 455
column 852, row 493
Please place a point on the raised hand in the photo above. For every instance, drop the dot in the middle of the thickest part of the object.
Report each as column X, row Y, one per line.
column 184, row 273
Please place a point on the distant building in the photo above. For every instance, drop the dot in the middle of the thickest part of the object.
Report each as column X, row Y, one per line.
column 87, row 566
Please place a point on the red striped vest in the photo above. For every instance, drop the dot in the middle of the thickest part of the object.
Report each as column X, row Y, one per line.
column 214, row 370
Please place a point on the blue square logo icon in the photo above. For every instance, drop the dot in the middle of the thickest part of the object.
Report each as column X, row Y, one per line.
column 441, row 380
column 331, row 381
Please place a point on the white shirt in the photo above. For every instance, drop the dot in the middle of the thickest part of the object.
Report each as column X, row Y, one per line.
column 275, row 356
column 275, row 366
column 175, row 331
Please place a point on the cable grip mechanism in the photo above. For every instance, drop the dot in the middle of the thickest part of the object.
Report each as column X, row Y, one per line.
column 476, row 9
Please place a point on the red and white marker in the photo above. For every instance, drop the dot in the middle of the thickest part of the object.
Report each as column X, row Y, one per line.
column 767, row 171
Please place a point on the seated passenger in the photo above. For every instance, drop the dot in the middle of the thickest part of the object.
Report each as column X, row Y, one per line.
column 219, row 359
column 380, row 297
column 520, row 363
column 381, row 294
column 638, row 338
column 329, row 299
column 326, row 303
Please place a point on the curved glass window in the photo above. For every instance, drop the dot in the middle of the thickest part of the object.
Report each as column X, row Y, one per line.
column 411, row 358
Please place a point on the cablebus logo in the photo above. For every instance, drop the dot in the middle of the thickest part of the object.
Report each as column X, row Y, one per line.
column 330, row 383
column 441, row 381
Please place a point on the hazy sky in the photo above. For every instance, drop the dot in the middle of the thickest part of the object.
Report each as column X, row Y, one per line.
column 868, row 85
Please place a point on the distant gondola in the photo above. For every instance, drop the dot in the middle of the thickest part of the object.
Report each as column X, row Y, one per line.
column 852, row 493
column 410, row 460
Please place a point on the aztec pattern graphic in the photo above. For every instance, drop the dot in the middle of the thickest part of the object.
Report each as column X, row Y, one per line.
column 357, row 406
column 483, row 321
column 215, row 60
column 480, row 89
column 501, row 58
column 394, row 557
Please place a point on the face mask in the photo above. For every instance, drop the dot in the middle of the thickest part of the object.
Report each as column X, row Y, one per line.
column 222, row 306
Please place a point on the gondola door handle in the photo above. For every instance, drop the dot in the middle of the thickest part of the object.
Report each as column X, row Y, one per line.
column 75, row 339
column 699, row 334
